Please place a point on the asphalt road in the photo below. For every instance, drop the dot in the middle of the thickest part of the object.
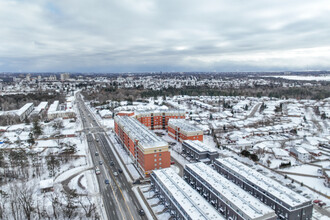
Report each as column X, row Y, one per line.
column 118, row 198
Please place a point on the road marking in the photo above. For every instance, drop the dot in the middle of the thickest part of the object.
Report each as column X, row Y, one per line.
column 111, row 185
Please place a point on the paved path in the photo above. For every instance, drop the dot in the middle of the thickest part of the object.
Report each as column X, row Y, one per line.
column 66, row 182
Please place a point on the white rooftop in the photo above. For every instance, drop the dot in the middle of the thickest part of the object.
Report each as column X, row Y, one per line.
column 53, row 107
column 188, row 199
column 183, row 125
column 138, row 131
column 265, row 183
column 137, row 112
column 249, row 206
column 200, row 146
column 22, row 110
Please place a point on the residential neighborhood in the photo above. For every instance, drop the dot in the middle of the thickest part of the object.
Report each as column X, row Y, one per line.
column 234, row 154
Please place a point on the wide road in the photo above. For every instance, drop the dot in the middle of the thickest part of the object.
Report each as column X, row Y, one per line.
column 119, row 200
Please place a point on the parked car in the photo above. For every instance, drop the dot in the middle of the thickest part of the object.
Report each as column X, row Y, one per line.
column 100, row 162
column 120, row 170
column 97, row 171
column 106, row 181
column 321, row 204
column 115, row 173
column 112, row 163
column 96, row 153
column 172, row 162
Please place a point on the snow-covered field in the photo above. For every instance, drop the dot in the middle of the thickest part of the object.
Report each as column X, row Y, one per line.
column 308, row 78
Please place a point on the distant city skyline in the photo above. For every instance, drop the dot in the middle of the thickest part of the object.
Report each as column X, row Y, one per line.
column 144, row 36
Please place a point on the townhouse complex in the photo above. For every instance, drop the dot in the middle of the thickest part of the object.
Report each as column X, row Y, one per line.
column 149, row 151
column 287, row 204
column 198, row 151
column 60, row 111
column 181, row 199
column 181, row 131
column 229, row 199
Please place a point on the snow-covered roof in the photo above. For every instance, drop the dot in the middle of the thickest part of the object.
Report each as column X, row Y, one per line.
column 183, row 125
column 137, row 131
column 265, row 183
column 280, row 152
column 46, row 143
column 105, row 112
column 200, row 146
column 301, row 150
column 189, row 200
column 249, row 207
column 53, row 107
column 22, row 110
column 40, row 107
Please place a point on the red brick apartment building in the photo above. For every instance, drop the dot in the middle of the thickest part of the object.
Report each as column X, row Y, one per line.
column 149, row 151
column 158, row 119
column 181, row 131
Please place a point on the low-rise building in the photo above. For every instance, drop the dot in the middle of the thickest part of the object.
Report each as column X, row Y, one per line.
column 287, row 204
column 25, row 111
column 105, row 113
column 149, row 151
column 300, row 153
column 54, row 111
column 229, row 199
column 181, row 130
column 199, row 151
column 182, row 200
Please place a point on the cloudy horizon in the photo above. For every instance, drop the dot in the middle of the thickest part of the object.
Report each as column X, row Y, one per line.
column 147, row 35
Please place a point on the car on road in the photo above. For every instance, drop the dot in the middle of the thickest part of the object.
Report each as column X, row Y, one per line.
column 141, row 212
column 112, row 163
column 100, row 162
column 120, row 170
column 106, row 181
column 96, row 153
column 115, row 173
column 172, row 162
column 97, row 171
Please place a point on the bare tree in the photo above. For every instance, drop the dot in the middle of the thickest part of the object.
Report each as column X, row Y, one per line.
column 89, row 208
column 26, row 200
column 69, row 207
column 3, row 201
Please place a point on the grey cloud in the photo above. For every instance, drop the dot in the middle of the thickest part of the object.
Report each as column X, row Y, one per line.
column 128, row 35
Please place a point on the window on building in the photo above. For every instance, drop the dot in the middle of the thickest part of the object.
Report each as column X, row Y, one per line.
column 155, row 164
column 160, row 163
column 160, row 158
column 155, row 160
column 155, row 155
column 160, row 155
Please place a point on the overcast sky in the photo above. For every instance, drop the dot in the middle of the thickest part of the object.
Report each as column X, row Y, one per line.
column 164, row 35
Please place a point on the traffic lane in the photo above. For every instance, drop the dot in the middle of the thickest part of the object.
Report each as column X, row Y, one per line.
column 123, row 183
column 125, row 211
column 108, row 200
column 133, row 202
column 120, row 180
column 112, row 201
